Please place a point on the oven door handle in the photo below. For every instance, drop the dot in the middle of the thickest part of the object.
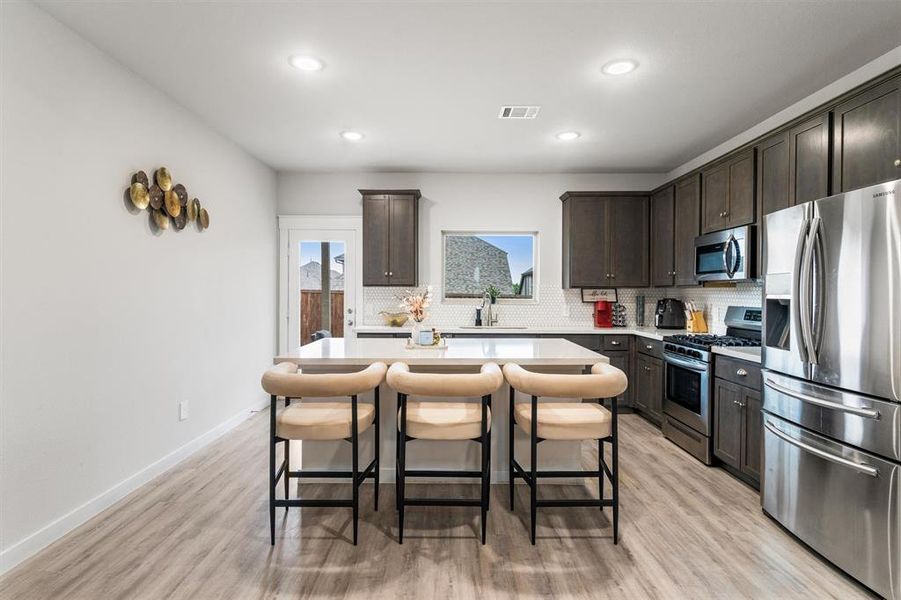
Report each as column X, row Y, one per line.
column 839, row 460
column 867, row 413
column 690, row 365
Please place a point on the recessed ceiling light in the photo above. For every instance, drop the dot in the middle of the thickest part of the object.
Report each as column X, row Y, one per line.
column 568, row 136
column 620, row 66
column 352, row 136
column 306, row 63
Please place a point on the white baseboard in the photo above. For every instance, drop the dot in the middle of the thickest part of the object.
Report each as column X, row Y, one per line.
column 40, row 539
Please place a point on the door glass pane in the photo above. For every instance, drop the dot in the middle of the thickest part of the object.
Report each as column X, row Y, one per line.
column 321, row 289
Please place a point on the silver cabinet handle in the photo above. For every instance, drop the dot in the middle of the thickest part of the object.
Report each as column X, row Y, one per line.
column 615, row 343
column 612, row 276
column 741, row 373
column 738, row 403
column 649, row 347
column 839, row 460
column 898, row 162
column 386, row 273
column 390, row 274
column 647, row 368
column 867, row 413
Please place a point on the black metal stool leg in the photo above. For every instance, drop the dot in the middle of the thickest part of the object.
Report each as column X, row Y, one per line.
column 375, row 493
column 511, row 456
column 615, row 471
column 272, row 470
column 355, row 468
column 601, row 473
column 287, row 475
column 533, row 439
column 403, row 466
column 486, row 449
column 488, row 508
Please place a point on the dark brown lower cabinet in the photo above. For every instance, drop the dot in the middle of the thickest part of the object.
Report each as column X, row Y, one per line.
column 737, row 428
column 621, row 360
column 648, row 385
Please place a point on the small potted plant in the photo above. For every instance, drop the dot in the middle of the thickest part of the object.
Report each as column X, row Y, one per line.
column 415, row 302
column 493, row 293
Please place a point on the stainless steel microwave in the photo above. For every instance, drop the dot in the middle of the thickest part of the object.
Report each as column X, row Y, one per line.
column 726, row 255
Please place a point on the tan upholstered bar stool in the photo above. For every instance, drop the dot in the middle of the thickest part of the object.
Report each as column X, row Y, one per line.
column 443, row 421
column 567, row 421
column 322, row 421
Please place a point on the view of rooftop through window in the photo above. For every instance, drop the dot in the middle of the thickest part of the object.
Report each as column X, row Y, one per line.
column 474, row 262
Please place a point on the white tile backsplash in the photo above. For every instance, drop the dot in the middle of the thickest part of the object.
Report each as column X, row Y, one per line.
column 565, row 307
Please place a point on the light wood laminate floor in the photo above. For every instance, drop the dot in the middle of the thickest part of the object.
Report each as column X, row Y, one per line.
column 201, row 531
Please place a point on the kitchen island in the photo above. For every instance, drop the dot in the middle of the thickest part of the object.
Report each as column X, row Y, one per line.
column 341, row 355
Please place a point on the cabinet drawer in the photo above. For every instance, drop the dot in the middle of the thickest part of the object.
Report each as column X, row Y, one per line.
column 616, row 342
column 738, row 371
column 648, row 346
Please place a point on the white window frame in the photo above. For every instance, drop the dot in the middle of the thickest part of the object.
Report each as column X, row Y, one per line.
column 536, row 237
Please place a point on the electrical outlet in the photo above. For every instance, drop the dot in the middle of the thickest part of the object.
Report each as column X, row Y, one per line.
column 183, row 410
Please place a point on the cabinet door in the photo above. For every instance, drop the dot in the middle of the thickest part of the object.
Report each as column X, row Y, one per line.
column 627, row 231
column 809, row 159
column 773, row 177
column 402, row 261
column 376, row 239
column 620, row 360
column 687, row 225
column 655, row 389
column 642, row 383
column 752, row 434
column 662, row 236
column 715, row 197
column 727, row 422
column 740, row 209
column 773, row 185
column 867, row 138
column 587, row 244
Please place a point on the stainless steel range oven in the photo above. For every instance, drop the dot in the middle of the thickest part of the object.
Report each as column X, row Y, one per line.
column 688, row 380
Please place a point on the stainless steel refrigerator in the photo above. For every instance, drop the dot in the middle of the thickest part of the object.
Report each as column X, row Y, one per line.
column 832, row 379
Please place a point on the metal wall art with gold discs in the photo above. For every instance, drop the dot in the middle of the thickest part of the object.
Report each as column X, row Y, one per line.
column 167, row 202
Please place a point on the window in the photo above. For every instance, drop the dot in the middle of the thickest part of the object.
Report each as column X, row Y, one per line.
column 474, row 261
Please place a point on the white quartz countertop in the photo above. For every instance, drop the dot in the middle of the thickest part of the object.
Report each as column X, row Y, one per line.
column 648, row 332
column 459, row 352
column 743, row 353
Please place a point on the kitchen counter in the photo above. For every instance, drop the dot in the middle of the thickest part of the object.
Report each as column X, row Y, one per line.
column 459, row 352
column 646, row 332
column 748, row 354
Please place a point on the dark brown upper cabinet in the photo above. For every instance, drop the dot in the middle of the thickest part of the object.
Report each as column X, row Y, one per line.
column 727, row 197
column 663, row 268
column 390, row 237
column 866, row 138
column 605, row 240
column 773, row 177
column 686, row 227
column 809, row 159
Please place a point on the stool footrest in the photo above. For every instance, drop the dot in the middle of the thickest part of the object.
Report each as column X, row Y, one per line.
column 440, row 473
column 441, row 502
column 316, row 503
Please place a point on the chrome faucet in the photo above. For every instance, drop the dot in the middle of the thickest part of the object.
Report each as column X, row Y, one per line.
column 489, row 317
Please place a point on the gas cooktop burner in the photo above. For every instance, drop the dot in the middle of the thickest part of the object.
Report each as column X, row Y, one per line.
column 705, row 341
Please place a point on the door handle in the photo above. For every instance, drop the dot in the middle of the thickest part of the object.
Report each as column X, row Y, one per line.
column 834, row 458
column 866, row 413
column 350, row 323
column 741, row 372
column 806, row 297
column 798, row 308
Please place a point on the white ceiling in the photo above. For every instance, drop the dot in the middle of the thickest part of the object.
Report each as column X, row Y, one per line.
column 424, row 81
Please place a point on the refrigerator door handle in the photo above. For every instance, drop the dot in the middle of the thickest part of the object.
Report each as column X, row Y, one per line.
column 839, row 460
column 805, row 299
column 867, row 413
column 799, row 310
column 818, row 269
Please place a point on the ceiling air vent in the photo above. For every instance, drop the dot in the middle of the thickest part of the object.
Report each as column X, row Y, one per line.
column 519, row 112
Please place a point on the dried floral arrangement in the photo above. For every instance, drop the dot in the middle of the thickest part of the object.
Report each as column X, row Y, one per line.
column 415, row 302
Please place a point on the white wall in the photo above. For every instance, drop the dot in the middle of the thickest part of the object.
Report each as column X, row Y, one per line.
column 872, row 69
column 106, row 326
